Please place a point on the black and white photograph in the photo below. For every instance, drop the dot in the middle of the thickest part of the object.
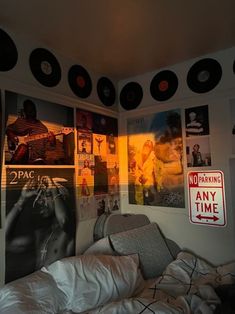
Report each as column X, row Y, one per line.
column 198, row 152
column 197, row 121
column 40, row 218
column 38, row 132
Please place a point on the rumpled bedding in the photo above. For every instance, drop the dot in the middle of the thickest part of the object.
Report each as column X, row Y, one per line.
column 114, row 285
column 186, row 286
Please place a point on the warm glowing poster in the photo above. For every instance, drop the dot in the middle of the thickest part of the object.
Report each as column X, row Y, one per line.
column 38, row 132
column 155, row 165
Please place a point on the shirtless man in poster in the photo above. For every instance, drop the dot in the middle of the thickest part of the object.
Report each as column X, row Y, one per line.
column 52, row 231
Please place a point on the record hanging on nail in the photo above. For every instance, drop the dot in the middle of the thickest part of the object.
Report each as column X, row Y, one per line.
column 204, row 75
column 234, row 67
column 79, row 81
column 106, row 91
column 8, row 52
column 45, row 67
column 164, row 85
column 131, row 95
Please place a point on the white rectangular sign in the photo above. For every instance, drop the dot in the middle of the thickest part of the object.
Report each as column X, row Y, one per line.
column 207, row 197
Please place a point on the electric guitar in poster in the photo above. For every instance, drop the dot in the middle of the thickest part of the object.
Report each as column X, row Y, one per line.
column 20, row 150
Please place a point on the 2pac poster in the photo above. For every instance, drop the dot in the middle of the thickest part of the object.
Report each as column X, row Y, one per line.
column 40, row 218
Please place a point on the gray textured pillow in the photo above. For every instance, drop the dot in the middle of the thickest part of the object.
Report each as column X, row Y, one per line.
column 149, row 243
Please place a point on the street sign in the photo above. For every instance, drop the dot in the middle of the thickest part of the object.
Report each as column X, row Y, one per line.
column 207, row 198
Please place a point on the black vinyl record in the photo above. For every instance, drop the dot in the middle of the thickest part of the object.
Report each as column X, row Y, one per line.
column 131, row 95
column 164, row 85
column 45, row 67
column 234, row 67
column 79, row 81
column 106, row 91
column 8, row 52
column 204, row 75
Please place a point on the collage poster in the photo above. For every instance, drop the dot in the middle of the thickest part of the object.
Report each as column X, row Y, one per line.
column 98, row 174
column 40, row 218
column 155, row 165
column 38, row 132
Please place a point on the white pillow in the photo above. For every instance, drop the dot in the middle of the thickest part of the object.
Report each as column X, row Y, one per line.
column 90, row 281
column 36, row 293
column 100, row 247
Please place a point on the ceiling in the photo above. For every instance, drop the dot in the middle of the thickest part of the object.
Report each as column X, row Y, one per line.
column 124, row 38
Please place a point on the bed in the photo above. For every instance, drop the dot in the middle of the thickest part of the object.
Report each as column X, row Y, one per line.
column 132, row 271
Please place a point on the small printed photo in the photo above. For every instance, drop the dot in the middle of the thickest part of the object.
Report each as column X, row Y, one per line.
column 198, row 152
column 86, row 165
column 84, row 142
column 99, row 144
column 197, row 121
column 87, row 209
column 105, row 125
column 101, row 204
column 112, row 144
column 112, row 162
column 83, row 120
column 114, row 202
column 85, row 185
column 113, row 181
column 100, row 175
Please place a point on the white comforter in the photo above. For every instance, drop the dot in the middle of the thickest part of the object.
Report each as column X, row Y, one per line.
column 114, row 285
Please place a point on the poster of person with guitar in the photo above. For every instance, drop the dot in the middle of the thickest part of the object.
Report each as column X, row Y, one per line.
column 38, row 132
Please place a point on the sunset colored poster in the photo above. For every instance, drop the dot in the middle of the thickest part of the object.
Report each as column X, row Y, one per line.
column 155, row 165
column 38, row 132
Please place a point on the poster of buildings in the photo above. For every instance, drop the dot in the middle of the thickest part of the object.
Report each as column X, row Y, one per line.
column 40, row 218
column 38, row 132
column 155, row 165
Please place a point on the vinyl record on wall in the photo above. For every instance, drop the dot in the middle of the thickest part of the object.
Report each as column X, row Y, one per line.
column 164, row 85
column 106, row 91
column 45, row 67
column 8, row 52
column 79, row 81
column 204, row 75
column 131, row 95
column 234, row 67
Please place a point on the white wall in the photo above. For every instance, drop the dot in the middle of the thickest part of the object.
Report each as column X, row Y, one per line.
column 216, row 244
column 21, row 80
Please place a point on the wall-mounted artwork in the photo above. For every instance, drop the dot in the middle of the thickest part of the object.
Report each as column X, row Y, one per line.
column 38, row 132
column 197, row 136
column 98, row 173
column 155, row 164
column 40, row 218
column 232, row 128
column 197, row 121
column 1, row 150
